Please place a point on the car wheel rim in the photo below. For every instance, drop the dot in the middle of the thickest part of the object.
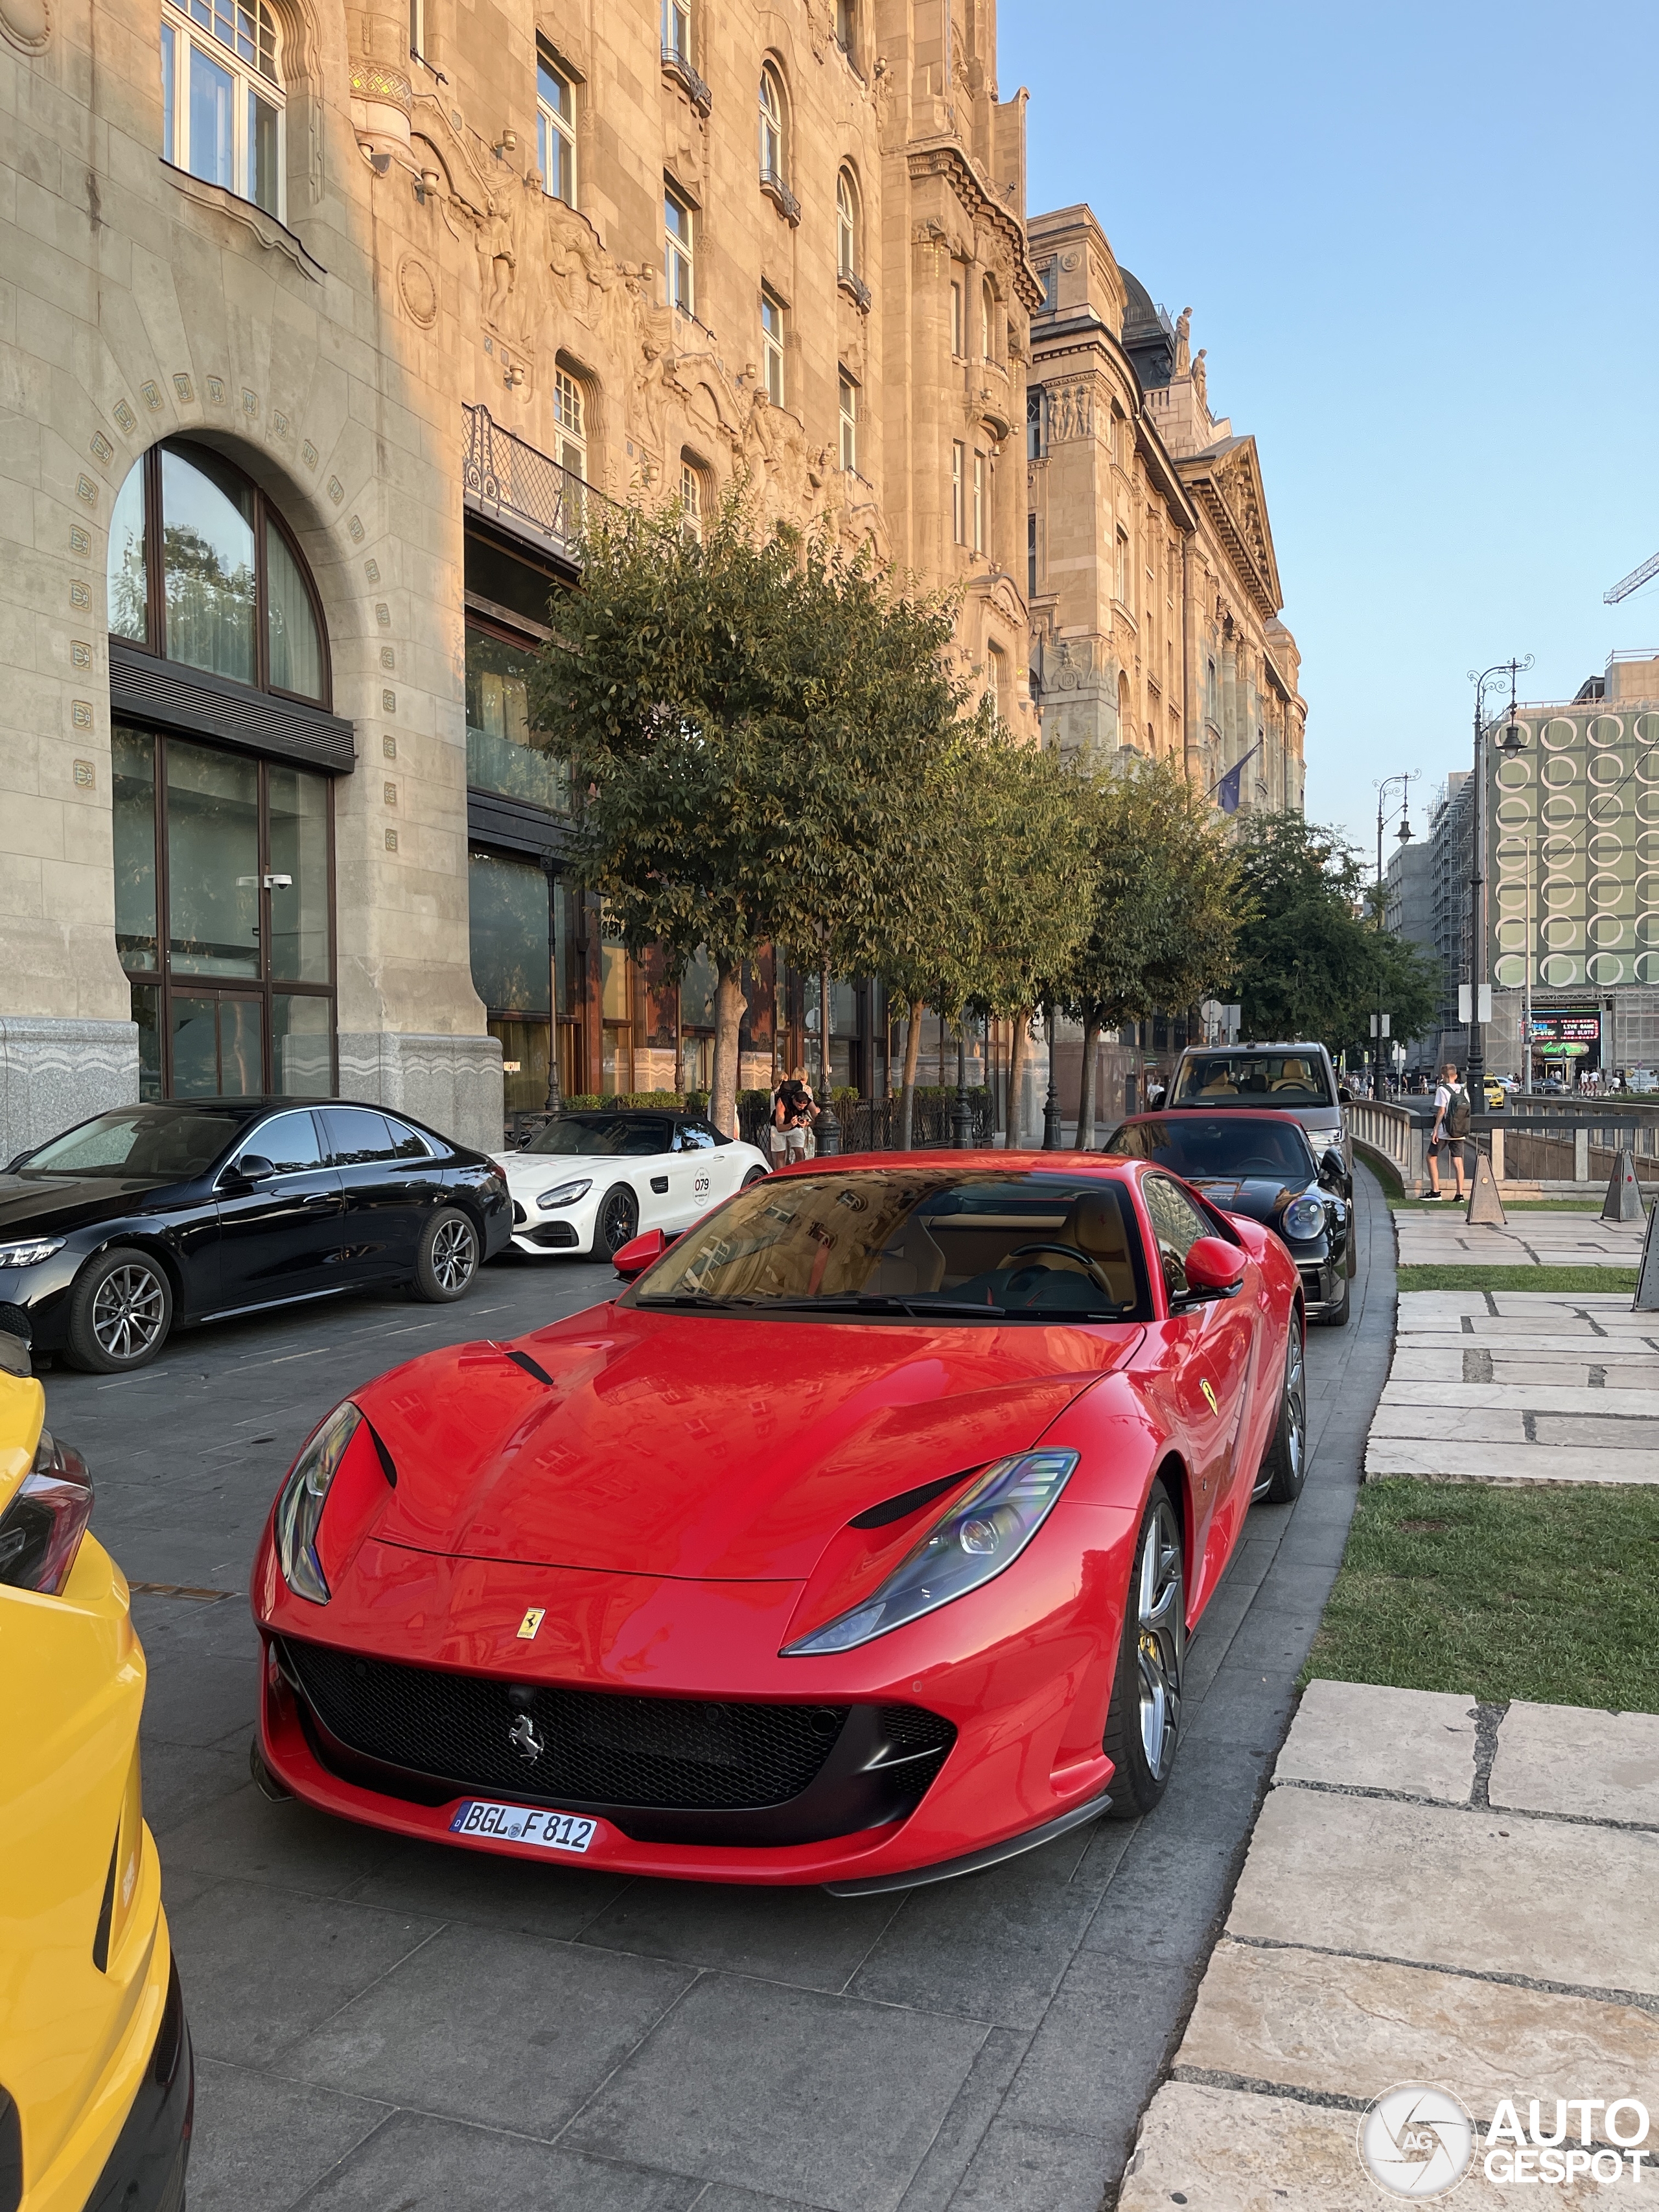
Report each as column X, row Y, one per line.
column 1296, row 1404
column 1159, row 1628
column 453, row 1254
column 128, row 1312
column 618, row 1221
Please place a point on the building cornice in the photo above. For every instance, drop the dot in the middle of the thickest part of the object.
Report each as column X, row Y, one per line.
column 1094, row 335
column 945, row 157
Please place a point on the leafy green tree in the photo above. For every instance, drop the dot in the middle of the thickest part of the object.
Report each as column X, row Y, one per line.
column 1311, row 964
column 746, row 717
column 1163, row 908
column 1022, row 886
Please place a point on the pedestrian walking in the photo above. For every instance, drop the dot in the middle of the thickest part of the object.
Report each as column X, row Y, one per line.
column 794, row 1110
column 1450, row 1128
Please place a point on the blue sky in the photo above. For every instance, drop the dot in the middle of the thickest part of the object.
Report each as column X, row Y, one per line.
column 1422, row 247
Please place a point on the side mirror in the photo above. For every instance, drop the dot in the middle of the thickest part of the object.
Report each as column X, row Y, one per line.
column 639, row 1254
column 1332, row 1168
column 1344, row 1096
column 254, row 1167
column 1214, row 1266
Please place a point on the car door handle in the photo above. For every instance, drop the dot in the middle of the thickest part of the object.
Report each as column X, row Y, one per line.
column 319, row 1199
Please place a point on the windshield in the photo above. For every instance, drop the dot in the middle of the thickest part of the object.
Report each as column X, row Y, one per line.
column 1266, row 1079
column 155, row 1142
column 1229, row 1146
column 611, row 1136
column 873, row 1240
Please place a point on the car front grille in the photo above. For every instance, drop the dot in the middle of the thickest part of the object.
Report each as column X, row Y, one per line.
column 558, row 1236
column 520, row 1216
column 598, row 1747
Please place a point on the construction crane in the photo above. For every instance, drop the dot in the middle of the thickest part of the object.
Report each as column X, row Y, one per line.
column 1634, row 581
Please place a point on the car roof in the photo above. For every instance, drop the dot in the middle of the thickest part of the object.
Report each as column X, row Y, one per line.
column 1285, row 1044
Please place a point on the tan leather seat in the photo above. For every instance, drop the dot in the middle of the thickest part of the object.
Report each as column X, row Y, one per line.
column 1095, row 1228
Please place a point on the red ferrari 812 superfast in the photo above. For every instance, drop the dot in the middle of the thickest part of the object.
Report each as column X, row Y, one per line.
column 857, row 1541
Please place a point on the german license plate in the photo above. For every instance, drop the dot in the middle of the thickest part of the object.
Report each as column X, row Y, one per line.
column 524, row 1823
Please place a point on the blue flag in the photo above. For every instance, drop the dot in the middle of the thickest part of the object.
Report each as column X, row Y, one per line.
column 1226, row 792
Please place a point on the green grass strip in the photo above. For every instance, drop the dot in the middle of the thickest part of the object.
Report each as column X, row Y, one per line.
column 1548, row 1594
column 1546, row 1282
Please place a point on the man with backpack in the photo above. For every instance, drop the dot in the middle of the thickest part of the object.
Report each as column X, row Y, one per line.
column 1450, row 1130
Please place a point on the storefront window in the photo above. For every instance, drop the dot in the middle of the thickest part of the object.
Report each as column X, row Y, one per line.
column 133, row 809
column 213, row 862
column 245, row 909
column 511, row 969
column 502, row 754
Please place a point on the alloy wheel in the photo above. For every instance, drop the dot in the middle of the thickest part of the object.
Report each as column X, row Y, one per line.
column 617, row 1221
column 1296, row 1404
column 129, row 1312
column 1159, row 1628
column 454, row 1254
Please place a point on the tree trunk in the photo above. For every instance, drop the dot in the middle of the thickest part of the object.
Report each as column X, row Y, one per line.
column 907, row 1138
column 730, row 1006
column 1020, row 1052
column 1086, row 1104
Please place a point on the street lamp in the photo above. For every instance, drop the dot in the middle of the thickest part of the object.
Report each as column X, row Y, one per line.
column 1051, row 1103
column 1475, row 1071
column 1383, row 810
column 1513, row 743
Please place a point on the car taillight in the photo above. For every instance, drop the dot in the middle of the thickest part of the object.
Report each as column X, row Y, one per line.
column 40, row 1530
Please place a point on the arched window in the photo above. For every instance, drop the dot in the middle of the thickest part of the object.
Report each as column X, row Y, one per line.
column 847, row 225
column 693, row 494
column 771, row 128
column 222, row 97
column 202, row 569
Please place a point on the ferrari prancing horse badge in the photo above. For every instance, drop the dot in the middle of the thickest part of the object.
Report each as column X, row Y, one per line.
column 532, row 1621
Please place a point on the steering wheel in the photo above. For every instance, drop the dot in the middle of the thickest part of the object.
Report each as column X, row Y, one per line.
column 1066, row 1251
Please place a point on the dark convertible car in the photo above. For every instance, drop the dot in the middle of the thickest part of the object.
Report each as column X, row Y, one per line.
column 1262, row 1164
column 150, row 1216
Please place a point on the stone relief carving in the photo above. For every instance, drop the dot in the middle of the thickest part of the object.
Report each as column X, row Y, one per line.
column 418, row 290
column 27, row 24
column 1071, row 412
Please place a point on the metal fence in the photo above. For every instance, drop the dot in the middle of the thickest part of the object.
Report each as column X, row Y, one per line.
column 503, row 476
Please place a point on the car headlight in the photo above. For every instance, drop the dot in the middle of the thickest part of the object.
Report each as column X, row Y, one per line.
column 982, row 1534
column 1304, row 1218
column 31, row 1252
column 566, row 1193
column 300, row 1506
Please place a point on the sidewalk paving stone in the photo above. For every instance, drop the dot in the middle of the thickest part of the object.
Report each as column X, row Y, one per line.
column 1344, row 2026
column 1565, row 1759
column 1455, row 1462
column 1223, row 2151
column 1374, row 1938
column 1392, row 1737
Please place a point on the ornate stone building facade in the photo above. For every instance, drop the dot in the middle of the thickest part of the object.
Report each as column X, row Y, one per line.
column 323, row 324
column 1149, row 568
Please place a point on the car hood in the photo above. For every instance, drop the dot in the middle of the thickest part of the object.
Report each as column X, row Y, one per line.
column 701, row 1446
column 1262, row 1197
column 54, row 1206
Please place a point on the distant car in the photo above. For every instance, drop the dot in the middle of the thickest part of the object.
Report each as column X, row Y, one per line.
column 95, row 2053
column 591, row 1182
column 1497, row 1095
column 1287, row 1079
column 1262, row 1165
column 148, row 1217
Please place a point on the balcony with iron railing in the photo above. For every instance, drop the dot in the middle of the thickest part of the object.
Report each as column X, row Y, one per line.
column 676, row 65
column 511, row 482
column 781, row 197
column 855, row 288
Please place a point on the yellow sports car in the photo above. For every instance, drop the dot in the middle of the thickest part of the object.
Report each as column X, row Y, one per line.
column 97, row 2081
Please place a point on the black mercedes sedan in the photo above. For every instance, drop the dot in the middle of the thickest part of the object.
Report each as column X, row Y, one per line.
column 1262, row 1163
column 147, row 1218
